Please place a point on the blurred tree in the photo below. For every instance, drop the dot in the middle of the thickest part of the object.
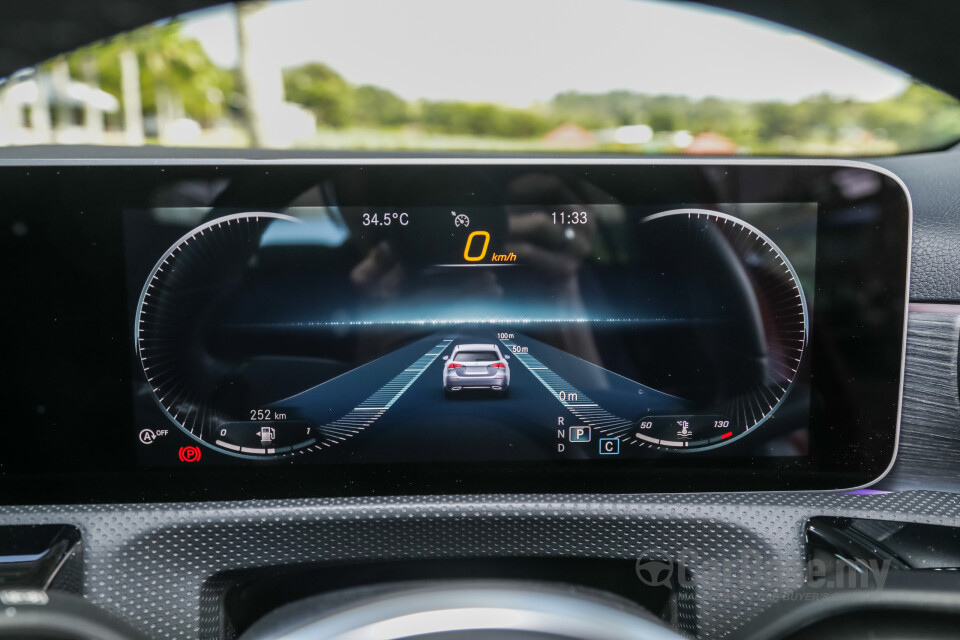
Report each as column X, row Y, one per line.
column 170, row 65
column 919, row 118
column 775, row 120
column 589, row 111
column 260, row 77
column 483, row 119
column 375, row 106
column 323, row 91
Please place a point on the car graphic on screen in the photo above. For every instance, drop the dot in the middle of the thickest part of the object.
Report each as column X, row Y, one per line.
column 476, row 366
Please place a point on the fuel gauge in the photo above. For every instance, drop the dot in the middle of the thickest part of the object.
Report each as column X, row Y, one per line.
column 265, row 437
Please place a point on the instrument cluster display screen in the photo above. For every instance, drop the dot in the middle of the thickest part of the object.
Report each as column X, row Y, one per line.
column 320, row 334
column 191, row 330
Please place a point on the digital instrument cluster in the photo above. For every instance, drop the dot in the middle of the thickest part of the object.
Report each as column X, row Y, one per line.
column 478, row 333
column 355, row 326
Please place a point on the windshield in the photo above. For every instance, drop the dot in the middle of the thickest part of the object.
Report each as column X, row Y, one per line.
column 619, row 76
column 476, row 356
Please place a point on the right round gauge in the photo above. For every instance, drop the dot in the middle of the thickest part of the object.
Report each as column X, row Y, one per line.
column 764, row 336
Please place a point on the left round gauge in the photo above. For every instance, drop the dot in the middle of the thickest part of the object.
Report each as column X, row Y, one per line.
column 191, row 383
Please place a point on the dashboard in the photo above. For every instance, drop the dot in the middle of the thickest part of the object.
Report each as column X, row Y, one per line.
column 290, row 287
column 368, row 327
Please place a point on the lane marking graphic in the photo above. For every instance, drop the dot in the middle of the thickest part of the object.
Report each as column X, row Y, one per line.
column 585, row 409
column 370, row 410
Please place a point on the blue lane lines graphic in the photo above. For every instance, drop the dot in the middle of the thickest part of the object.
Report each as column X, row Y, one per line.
column 368, row 411
column 577, row 402
column 390, row 392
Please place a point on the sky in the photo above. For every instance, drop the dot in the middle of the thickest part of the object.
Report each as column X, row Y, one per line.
column 523, row 51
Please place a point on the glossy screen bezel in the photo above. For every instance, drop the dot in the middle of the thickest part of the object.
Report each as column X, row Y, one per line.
column 88, row 201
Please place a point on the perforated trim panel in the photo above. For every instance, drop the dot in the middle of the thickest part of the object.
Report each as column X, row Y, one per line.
column 148, row 563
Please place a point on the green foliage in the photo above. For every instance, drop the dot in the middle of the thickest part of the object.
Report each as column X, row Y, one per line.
column 376, row 106
column 482, row 119
column 338, row 104
column 168, row 62
column 918, row 118
column 323, row 91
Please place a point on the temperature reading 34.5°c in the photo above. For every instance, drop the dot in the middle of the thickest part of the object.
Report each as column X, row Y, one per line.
column 386, row 219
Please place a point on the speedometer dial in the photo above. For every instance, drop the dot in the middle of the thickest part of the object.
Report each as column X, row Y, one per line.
column 762, row 340
column 199, row 386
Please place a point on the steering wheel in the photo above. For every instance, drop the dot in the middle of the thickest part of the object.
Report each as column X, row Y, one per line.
column 462, row 610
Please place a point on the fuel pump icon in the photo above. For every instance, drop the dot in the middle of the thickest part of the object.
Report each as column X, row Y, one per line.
column 267, row 435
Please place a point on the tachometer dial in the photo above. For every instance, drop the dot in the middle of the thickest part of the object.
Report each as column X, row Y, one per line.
column 754, row 315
